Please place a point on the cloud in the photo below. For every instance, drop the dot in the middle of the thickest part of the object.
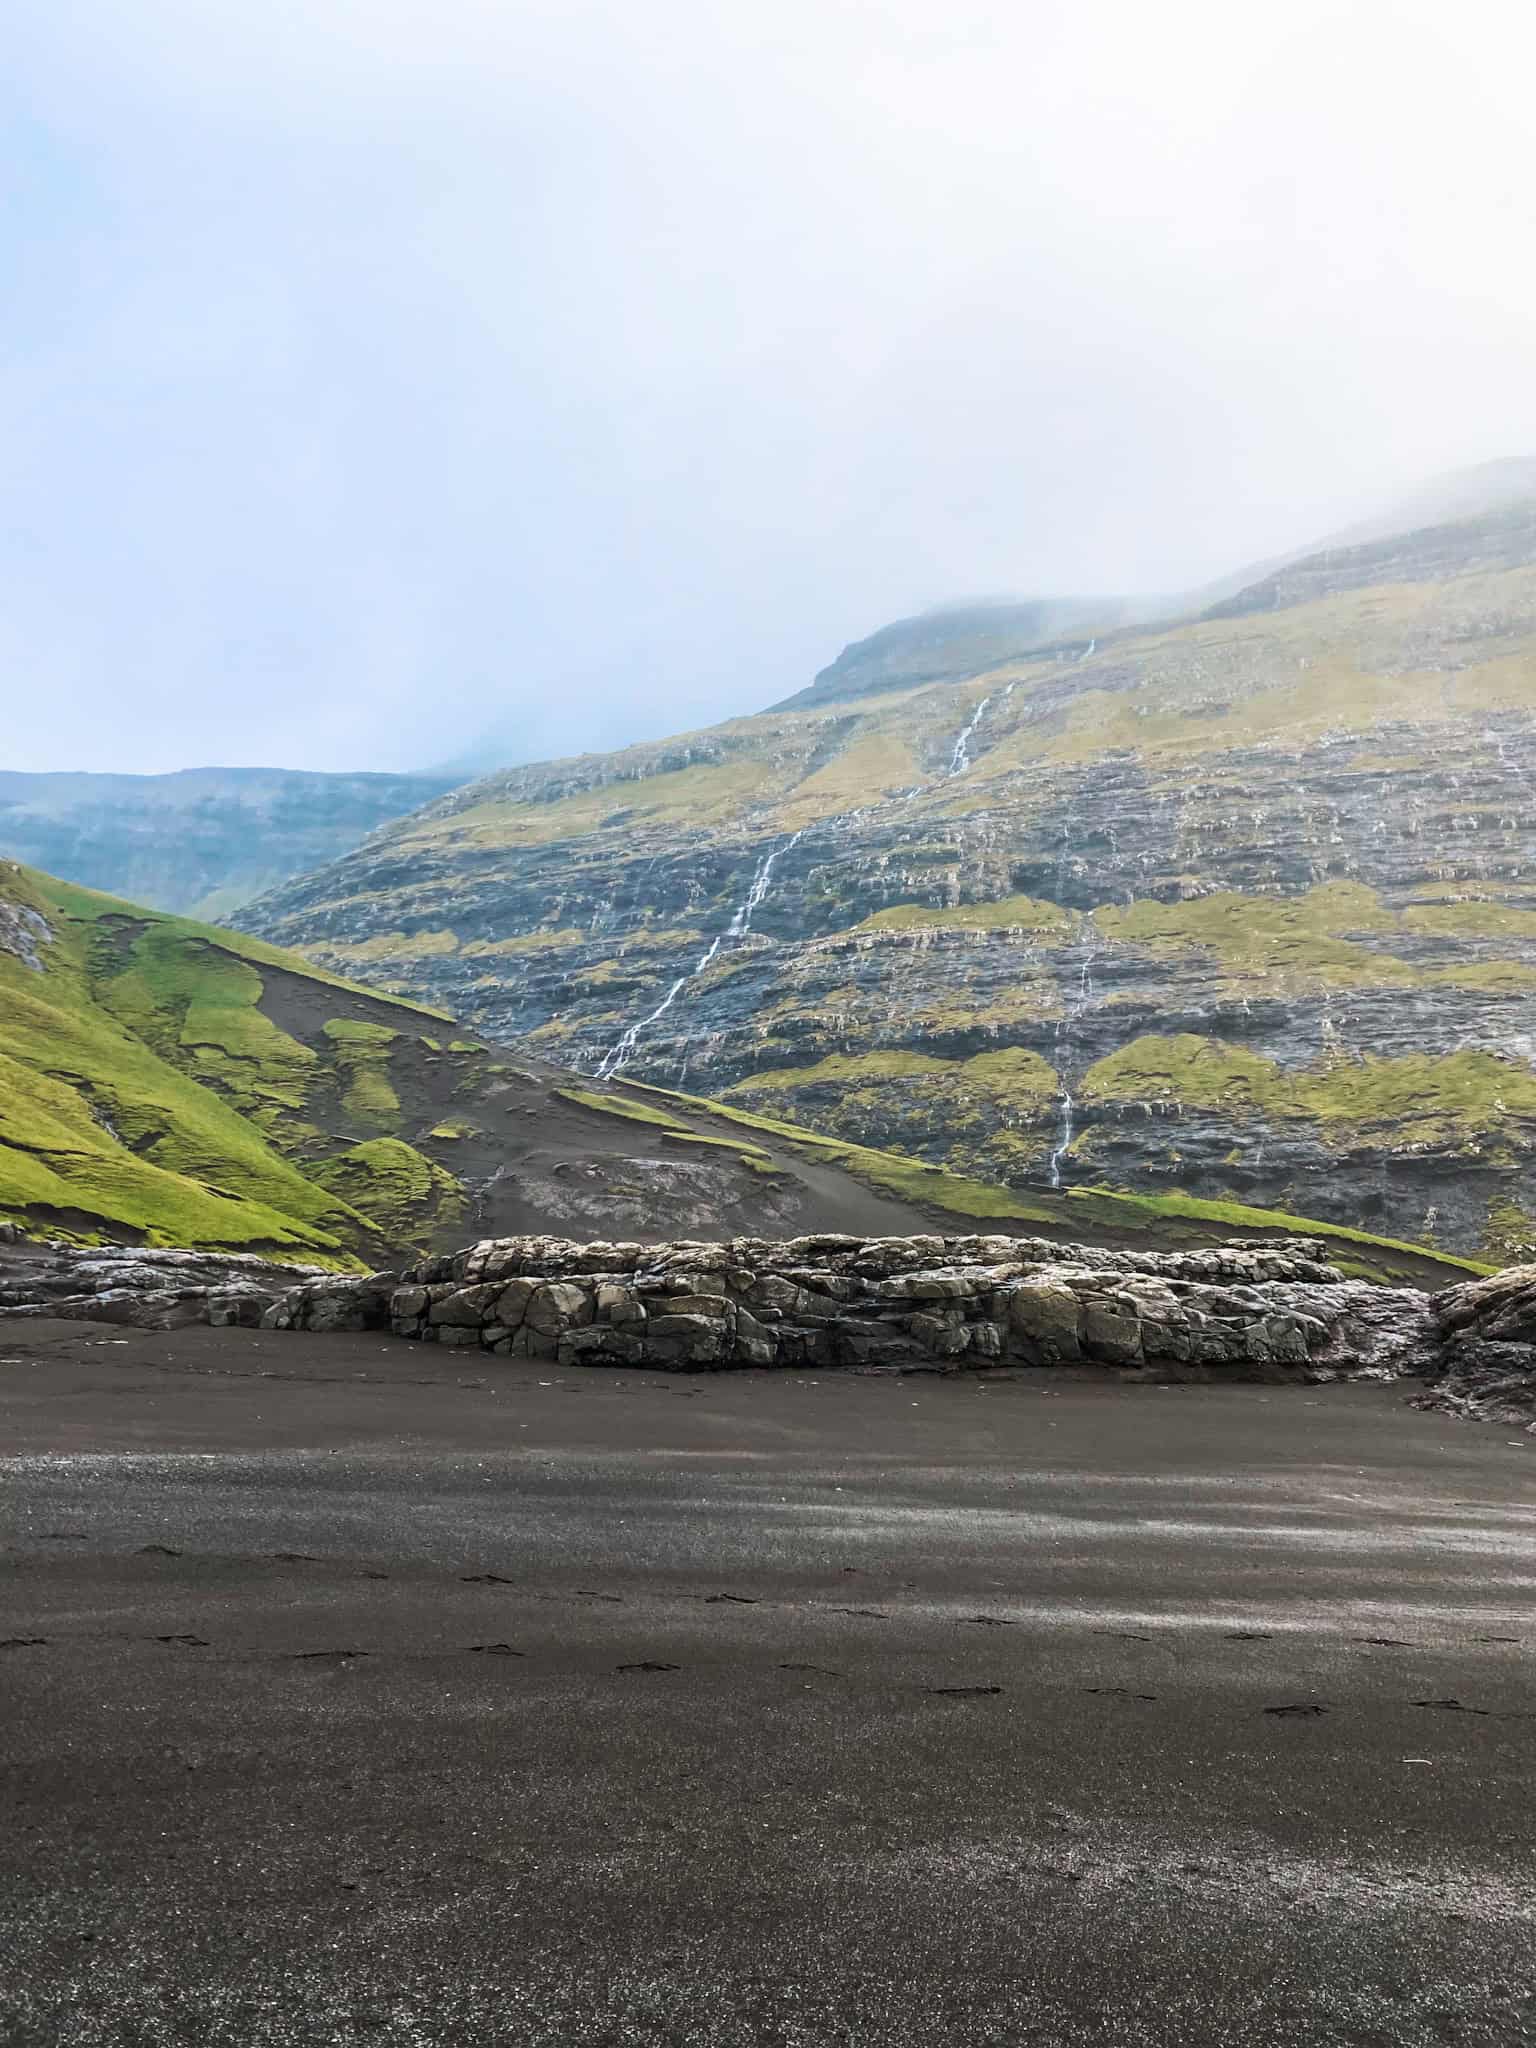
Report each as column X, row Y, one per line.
column 379, row 372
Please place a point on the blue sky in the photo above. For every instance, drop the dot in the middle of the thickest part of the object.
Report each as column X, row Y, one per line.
column 375, row 375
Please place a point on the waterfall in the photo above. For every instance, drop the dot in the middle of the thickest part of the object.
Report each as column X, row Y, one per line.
column 620, row 1054
column 1069, row 1016
column 1064, row 1135
column 741, row 923
column 961, row 759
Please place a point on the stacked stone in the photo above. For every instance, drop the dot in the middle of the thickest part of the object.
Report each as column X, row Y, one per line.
column 921, row 1303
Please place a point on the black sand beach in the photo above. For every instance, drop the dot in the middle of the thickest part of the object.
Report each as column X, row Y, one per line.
column 359, row 1693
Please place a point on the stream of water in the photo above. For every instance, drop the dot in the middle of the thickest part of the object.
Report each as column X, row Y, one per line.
column 1067, row 1129
column 623, row 1051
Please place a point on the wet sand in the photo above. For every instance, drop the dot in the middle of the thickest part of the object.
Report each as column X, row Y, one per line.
column 356, row 1693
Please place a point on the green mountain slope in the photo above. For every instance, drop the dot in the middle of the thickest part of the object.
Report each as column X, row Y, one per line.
column 166, row 1083
column 144, row 1092
column 1239, row 906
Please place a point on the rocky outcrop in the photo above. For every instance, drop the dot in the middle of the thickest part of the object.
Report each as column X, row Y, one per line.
column 928, row 1304
column 167, row 1290
column 334, row 1303
column 1480, row 1350
column 146, row 1290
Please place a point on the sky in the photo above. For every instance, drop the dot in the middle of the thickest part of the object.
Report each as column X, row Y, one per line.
column 376, row 376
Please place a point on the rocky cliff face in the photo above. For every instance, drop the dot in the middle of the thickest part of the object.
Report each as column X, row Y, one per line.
column 1241, row 907
column 203, row 841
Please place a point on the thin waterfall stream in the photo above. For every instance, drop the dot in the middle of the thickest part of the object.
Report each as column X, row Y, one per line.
column 623, row 1051
column 961, row 758
column 1067, row 1128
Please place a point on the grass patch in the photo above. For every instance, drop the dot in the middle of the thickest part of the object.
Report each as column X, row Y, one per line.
column 528, row 942
column 88, row 907
column 362, row 1055
column 1471, row 919
column 1297, row 938
column 396, row 945
column 408, row 1197
column 876, row 765
column 752, row 1155
column 1006, row 913
column 710, row 793
column 615, row 1105
column 1423, row 1099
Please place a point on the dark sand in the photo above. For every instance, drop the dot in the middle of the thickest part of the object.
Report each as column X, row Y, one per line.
column 388, row 1697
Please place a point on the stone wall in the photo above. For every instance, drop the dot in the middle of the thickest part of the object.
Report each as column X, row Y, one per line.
column 906, row 1304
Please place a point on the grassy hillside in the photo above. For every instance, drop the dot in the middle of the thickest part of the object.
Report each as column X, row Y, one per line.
column 144, row 1092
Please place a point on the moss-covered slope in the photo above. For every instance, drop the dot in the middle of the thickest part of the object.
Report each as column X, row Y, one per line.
column 147, row 1094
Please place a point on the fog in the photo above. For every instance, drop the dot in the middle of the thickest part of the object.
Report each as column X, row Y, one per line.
column 376, row 374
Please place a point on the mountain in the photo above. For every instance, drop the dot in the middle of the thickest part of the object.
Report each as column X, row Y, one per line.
column 204, row 840
column 952, row 642
column 165, row 1083
column 1240, row 905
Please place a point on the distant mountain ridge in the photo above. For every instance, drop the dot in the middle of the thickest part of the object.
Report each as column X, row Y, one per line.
column 951, row 642
column 200, row 840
